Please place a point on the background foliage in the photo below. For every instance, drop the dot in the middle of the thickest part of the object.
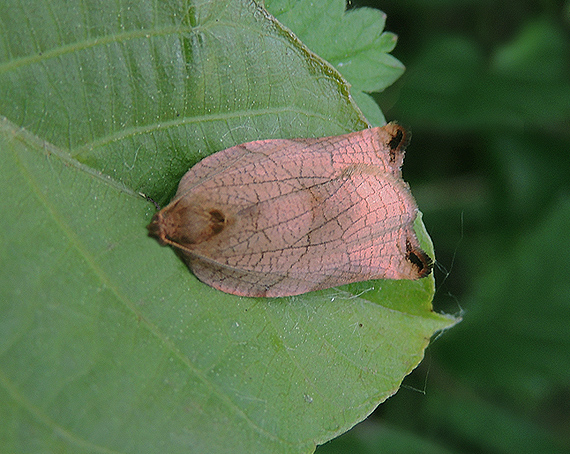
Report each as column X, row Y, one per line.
column 486, row 93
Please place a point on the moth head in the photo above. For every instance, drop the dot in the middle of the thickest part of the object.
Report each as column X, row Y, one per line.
column 185, row 223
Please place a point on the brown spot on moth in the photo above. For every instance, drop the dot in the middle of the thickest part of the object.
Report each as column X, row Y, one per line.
column 285, row 217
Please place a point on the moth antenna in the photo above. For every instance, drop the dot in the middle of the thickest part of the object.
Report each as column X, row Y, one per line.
column 150, row 199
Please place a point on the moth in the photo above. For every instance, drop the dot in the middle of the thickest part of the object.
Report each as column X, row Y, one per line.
column 284, row 217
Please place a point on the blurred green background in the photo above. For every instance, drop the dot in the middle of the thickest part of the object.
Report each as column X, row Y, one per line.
column 486, row 94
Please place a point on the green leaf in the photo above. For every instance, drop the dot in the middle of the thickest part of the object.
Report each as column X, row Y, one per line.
column 107, row 342
column 353, row 41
